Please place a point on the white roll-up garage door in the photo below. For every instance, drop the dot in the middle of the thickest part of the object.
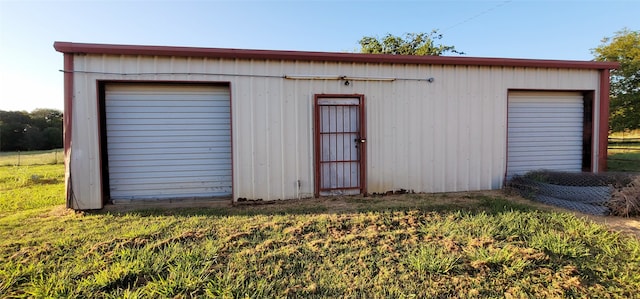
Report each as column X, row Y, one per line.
column 545, row 131
column 168, row 141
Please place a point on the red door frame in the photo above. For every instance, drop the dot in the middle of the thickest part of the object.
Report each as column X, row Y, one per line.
column 363, row 136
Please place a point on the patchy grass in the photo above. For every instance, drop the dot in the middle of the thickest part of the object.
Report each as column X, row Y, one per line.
column 624, row 156
column 624, row 161
column 55, row 156
column 28, row 187
column 414, row 245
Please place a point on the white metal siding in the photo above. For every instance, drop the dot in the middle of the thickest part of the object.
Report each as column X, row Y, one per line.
column 168, row 141
column 449, row 135
column 545, row 132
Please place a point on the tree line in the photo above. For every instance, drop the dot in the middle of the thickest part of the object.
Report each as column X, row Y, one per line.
column 40, row 129
column 624, row 48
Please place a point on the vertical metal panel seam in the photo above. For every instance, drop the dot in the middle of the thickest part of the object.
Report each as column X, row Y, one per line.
column 269, row 127
column 283, row 177
column 251, row 99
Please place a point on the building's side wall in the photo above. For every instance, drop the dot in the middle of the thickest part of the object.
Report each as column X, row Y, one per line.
column 448, row 135
column 84, row 162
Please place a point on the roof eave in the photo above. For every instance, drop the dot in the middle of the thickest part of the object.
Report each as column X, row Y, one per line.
column 109, row 49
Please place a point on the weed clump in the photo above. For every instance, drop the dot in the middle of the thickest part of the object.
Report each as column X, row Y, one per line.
column 625, row 201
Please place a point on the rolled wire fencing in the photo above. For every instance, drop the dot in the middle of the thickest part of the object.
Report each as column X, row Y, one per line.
column 589, row 193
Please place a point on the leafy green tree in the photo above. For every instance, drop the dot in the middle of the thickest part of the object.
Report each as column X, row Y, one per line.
column 409, row 44
column 623, row 47
column 41, row 129
column 52, row 137
column 12, row 126
column 44, row 118
column 33, row 139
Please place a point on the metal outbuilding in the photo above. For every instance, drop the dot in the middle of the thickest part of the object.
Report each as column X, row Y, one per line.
column 148, row 122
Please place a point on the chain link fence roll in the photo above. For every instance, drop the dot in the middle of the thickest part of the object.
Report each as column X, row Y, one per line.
column 584, row 192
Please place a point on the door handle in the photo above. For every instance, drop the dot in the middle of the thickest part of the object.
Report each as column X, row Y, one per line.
column 358, row 140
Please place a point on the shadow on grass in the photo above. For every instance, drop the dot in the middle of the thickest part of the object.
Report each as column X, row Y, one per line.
column 437, row 203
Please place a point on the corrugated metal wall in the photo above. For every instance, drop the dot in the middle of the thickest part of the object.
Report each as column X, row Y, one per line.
column 448, row 135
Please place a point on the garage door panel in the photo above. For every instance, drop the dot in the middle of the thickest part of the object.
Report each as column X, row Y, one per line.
column 169, row 128
column 526, row 151
column 524, row 129
column 192, row 185
column 150, row 145
column 551, row 134
column 171, row 115
column 161, row 157
column 552, row 167
column 213, row 137
column 548, row 125
column 223, row 106
column 167, row 153
column 221, row 160
column 158, row 168
column 220, row 181
column 168, row 141
column 536, row 160
column 545, row 131
column 171, row 104
column 216, row 175
column 540, row 103
column 560, row 118
column 215, row 130
column 547, row 119
column 542, row 111
column 165, row 121
column 545, row 141
column 173, row 193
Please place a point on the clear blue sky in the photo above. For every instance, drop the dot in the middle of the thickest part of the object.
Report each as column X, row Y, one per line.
column 29, row 65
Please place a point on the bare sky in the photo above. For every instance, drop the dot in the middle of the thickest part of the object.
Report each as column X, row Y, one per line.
column 29, row 66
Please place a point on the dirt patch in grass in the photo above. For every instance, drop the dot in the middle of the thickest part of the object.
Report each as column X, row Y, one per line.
column 348, row 204
column 624, row 225
column 627, row 225
column 462, row 245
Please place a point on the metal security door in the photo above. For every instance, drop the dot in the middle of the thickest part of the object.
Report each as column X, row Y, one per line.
column 340, row 144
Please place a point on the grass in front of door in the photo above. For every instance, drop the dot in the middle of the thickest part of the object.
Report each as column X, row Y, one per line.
column 468, row 245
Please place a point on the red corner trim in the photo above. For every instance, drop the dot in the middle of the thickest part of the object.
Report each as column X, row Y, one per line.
column 604, row 120
column 68, row 101
column 67, row 123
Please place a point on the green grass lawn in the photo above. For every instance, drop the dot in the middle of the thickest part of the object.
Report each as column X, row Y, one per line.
column 55, row 156
column 416, row 245
column 23, row 188
column 624, row 157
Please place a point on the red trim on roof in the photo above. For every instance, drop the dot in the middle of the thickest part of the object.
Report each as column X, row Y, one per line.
column 81, row 48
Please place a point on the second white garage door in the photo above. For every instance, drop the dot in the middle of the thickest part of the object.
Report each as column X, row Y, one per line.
column 168, row 141
column 545, row 131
